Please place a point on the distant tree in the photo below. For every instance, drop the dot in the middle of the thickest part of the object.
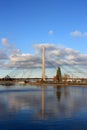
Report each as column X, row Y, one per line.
column 58, row 74
column 7, row 77
column 58, row 92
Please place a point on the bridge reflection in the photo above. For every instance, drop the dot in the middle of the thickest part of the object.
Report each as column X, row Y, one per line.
column 42, row 102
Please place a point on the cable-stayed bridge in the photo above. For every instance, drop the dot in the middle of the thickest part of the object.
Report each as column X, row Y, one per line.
column 47, row 71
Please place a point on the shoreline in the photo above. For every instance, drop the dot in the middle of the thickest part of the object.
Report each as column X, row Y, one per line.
column 8, row 83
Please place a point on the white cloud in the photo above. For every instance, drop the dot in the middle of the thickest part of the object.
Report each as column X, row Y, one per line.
column 58, row 55
column 55, row 52
column 50, row 32
column 5, row 42
column 77, row 33
column 3, row 55
column 54, row 56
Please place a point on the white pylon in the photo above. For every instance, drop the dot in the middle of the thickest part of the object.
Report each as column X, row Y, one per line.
column 43, row 63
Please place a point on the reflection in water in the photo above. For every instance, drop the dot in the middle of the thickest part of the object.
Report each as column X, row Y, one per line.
column 43, row 103
column 58, row 92
column 46, row 106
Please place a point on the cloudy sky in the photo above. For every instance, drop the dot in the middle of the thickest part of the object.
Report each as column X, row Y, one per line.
column 59, row 25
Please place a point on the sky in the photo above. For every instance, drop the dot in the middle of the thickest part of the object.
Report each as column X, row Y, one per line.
column 59, row 25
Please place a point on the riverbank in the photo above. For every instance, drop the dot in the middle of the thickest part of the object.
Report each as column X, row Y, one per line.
column 46, row 83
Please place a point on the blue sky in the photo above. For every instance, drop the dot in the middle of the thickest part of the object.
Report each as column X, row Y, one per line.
column 25, row 23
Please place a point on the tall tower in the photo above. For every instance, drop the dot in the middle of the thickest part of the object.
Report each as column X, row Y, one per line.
column 43, row 64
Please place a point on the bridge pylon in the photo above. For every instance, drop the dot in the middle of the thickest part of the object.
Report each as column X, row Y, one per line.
column 43, row 63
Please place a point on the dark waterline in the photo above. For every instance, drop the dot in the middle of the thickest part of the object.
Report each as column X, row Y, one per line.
column 43, row 108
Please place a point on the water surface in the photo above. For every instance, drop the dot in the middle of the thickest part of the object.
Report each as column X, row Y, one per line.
column 45, row 108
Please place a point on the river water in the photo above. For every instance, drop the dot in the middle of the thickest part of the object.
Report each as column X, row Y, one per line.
column 43, row 108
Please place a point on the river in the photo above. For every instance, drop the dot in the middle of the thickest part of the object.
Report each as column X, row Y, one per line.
column 43, row 107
